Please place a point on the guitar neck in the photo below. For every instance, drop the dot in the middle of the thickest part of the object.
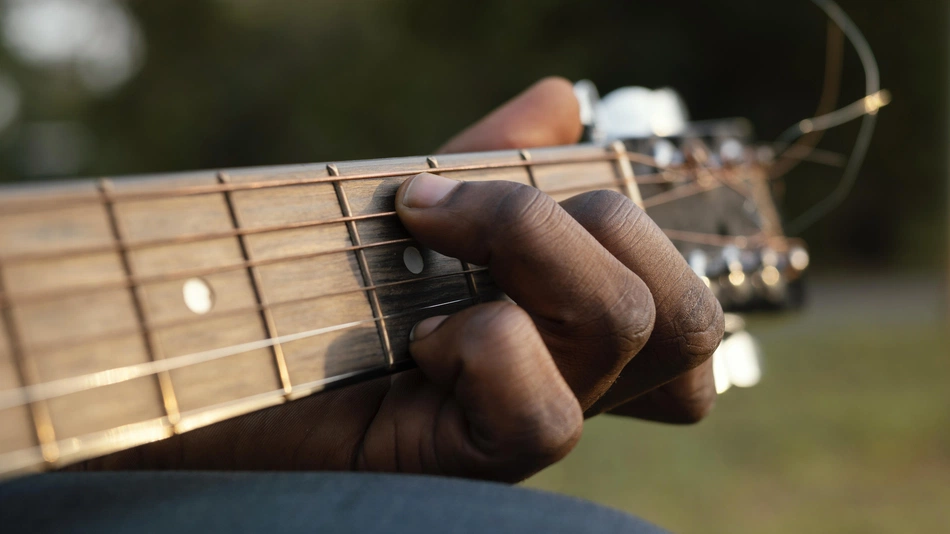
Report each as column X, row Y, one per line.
column 136, row 308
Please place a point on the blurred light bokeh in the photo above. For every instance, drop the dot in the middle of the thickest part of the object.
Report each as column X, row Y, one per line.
column 849, row 429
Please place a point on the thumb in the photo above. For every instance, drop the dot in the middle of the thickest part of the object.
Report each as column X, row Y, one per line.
column 512, row 413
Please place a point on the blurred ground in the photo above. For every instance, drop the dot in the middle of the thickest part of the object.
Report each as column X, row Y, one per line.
column 848, row 432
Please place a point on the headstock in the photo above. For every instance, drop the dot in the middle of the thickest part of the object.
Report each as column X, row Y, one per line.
column 707, row 185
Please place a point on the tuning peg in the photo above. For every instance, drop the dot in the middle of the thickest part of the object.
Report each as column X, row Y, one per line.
column 665, row 153
column 798, row 258
column 737, row 288
column 638, row 112
column 731, row 151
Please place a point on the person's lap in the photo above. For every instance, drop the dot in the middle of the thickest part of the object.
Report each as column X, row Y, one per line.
column 279, row 503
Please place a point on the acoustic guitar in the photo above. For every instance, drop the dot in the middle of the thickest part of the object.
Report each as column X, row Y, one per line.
column 141, row 307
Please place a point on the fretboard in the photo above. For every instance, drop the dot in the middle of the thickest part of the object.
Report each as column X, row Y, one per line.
column 136, row 308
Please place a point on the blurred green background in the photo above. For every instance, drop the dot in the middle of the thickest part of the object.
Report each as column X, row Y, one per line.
column 849, row 431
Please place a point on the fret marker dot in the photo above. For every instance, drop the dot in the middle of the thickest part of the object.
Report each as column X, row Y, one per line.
column 198, row 295
column 413, row 260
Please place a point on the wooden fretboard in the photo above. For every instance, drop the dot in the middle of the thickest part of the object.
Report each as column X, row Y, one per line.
column 136, row 308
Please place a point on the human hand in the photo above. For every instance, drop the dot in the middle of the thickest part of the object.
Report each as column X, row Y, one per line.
column 606, row 316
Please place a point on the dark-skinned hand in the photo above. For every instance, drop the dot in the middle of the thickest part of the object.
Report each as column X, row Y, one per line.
column 607, row 316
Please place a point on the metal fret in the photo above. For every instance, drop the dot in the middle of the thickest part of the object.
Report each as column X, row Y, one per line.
column 630, row 186
column 29, row 374
column 364, row 265
column 266, row 314
column 526, row 156
column 152, row 346
column 470, row 277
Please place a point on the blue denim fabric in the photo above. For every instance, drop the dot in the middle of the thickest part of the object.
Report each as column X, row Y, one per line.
column 279, row 503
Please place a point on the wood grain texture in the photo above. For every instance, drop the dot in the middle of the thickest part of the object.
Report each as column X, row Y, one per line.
column 318, row 281
column 17, row 426
column 216, row 382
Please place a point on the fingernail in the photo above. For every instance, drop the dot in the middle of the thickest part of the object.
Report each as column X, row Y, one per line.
column 426, row 190
column 425, row 327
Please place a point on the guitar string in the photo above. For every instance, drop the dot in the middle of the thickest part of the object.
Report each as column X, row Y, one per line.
column 52, row 392
column 700, row 238
column 874, row 100
column 689, row 236
column 99, row 381
column 224, row 352
column 48, row 348
column 137, row 281
column 32, row 205
column 830, row 93
column 651, row 178
column 66, row 386
column 114, row 246
column 866, row 103
column 825, row 157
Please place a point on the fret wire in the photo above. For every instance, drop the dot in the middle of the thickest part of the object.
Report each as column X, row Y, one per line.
column 107, row 336
column 181, row 240
column 181, row 275
column 470, row 277
column 137, row 293
column 526, row 157
column 60, row 202
column 29, row 374
column 256, row 287
column 76, row 384
column 627, row 176
column 364, row 266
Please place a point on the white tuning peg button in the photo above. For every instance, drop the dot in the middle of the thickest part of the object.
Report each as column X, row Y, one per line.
column 638, row 112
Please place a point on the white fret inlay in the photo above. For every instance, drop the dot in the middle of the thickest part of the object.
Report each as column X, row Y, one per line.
column 198, row 295
column 413, row 260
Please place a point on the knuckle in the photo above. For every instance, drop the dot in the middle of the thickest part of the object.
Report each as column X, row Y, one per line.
column 524, row 212
column 620, row 222
column 604, row 200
